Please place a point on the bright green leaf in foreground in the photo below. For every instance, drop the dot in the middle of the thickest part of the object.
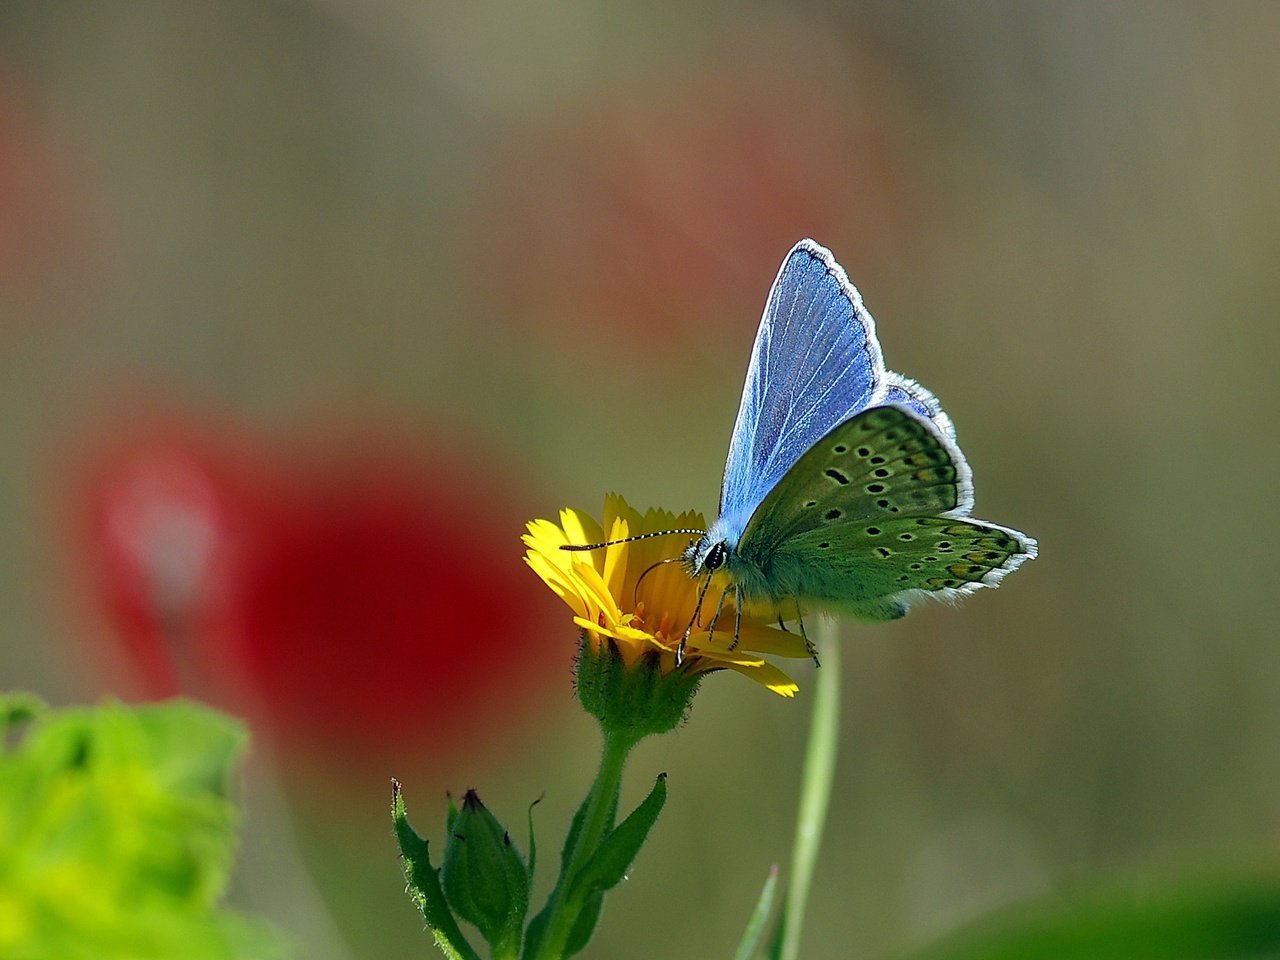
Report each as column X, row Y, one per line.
column 117, row 834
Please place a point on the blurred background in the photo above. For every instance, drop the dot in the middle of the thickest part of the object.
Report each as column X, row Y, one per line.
column 306, row 307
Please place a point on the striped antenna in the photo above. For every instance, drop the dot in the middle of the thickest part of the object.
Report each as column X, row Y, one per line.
column 638, row 536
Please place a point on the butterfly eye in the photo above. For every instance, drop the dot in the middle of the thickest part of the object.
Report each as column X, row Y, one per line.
column 716, row 556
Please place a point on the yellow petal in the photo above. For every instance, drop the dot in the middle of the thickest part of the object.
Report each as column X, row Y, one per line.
column 599, row 599
column 615, row 558
column 766, row 674
column 565, row 588
column 579, row 528
column 776, row 643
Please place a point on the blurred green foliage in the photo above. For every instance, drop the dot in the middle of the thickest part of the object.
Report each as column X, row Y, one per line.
column 1227, row 921
column 116, row 835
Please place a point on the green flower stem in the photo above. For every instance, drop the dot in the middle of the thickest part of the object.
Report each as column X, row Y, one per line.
column 564, row 911
column 815, row 789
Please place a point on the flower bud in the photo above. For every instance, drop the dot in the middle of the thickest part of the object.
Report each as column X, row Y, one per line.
column 484, row 876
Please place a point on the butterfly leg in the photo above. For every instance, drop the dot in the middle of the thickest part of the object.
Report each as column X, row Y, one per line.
column 715, row 617
column 697, row 612
column 737, row 615
column 808, row 644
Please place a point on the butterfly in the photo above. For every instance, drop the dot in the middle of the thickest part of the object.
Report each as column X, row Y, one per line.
column 844, row 488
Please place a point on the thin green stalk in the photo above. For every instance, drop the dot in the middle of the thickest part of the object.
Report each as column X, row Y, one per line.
column 815, row 787
column 563, row 913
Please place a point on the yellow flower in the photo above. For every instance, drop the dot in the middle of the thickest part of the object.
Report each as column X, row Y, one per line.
column 627, row 593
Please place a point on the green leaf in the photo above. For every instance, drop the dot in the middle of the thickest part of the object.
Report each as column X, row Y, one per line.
column 116, row 834
column 759, row 917
column 17, row 709
column 585, row 924
column 537, row 926
column 1189, row 923
column 778, row 939
column 533, row 846
column 423, row 884
column 609, row 864
column 575, row 828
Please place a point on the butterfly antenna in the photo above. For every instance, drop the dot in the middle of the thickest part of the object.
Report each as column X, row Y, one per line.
column 635, row 597
column 638, row 536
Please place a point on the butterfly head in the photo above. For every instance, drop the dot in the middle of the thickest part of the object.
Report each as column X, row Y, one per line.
column 708, row 553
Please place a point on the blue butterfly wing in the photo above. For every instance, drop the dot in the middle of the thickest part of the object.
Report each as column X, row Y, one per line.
column 904, row 390
column 816, row 362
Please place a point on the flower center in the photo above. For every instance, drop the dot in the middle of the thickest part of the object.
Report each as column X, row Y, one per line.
column 661, row 630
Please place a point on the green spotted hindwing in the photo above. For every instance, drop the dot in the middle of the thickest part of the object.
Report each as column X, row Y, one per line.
column 873, row 516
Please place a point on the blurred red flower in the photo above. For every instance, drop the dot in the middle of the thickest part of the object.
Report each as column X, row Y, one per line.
column 351, row 602
column 170, row 516
column 670, row 201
